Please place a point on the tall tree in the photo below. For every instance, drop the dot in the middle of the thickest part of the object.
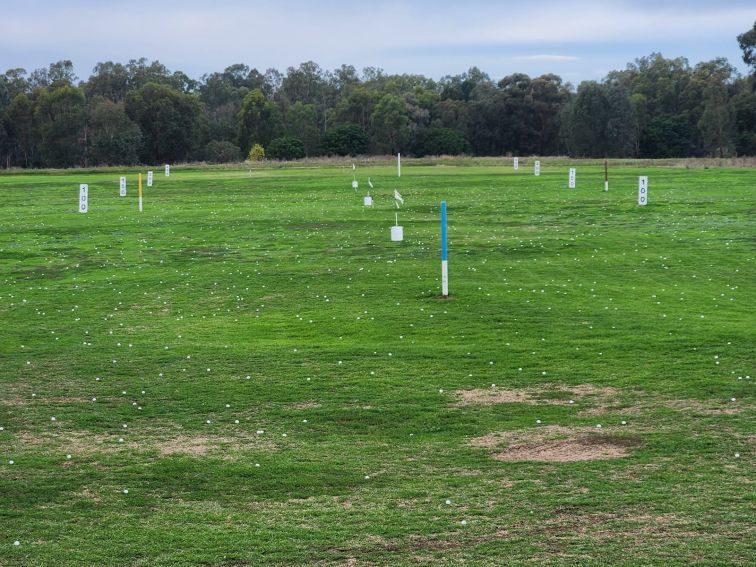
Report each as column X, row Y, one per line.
column 171, row 123
column 391, row 124
column 113, row 137
column 747, row 42
column 60, row 119
column 19, row 126
column 259, row 121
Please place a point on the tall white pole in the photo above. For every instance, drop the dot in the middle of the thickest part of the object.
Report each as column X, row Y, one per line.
column 444, row 254
column 606, row 175
column 399, row 165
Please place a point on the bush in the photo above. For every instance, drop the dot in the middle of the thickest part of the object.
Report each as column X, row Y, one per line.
column 345, row 140
column 440, row 141
column 222, row 151
column 286, row 148
column 257, row 153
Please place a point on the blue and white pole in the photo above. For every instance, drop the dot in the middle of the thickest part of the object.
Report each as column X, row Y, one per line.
column 444, row 254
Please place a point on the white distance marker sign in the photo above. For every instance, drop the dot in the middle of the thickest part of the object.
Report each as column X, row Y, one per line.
column 643, row 190
column 83, row 198
column 537, row 168
column 122, row 191
column 572, row 178
column 355, row 185
column 516, row 164
column 149, row 179
column 167, row 170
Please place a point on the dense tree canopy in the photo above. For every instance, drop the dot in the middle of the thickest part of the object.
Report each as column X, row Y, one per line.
column 141, row 111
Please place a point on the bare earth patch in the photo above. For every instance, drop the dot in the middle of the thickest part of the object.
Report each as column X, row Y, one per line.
column 568, row 451
column 493, row 396
column 84, row 443
column 555, row 444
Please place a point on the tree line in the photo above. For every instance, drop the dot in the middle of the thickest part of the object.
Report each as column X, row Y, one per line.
column 141, row 112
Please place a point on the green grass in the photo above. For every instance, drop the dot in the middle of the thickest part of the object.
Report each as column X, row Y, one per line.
column 282, row 276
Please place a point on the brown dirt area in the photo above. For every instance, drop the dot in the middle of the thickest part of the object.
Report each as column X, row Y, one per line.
column 555, row 444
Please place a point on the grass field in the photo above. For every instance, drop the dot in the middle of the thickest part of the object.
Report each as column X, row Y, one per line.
column 273, row 381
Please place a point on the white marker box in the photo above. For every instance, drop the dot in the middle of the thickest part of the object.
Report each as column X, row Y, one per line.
column 83, row 198
column 537, row 168
column 167, row 170
column 368, row 200
column 397, row 233
column 149, row 179
column 355, row 184
column 572, row 178
column 516, row 164
column 122, row 190
column 643, row 190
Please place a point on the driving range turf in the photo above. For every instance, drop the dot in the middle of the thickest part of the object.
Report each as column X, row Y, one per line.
column 369, row 430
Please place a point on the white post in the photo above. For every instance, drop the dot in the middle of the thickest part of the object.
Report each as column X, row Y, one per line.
column 606, row 175
column 572, row 178
column 643, row 190
column 516, row 164
column 537, row 168
column 122, row 191
column 399, row 164
column 83, row 198
column 167, row 170
column 149, row 179
column 444, row 254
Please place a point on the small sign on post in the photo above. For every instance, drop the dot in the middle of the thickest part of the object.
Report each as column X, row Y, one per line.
column 149, row 179
column 167, row 170
column 516, row 164
column 368, row 201
column 397, row 232
column 83, row 198
column 572, row 178
column 643, row 190
column 537, row 168
column 122, row 191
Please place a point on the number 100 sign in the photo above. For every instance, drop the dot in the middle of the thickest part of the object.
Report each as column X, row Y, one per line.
column 83, row 198
column 643, row 190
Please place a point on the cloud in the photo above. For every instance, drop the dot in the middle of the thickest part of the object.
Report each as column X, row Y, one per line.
column 193, row 35
column 555, row 58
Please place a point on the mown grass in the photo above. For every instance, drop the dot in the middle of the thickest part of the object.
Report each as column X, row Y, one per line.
column 272, row 297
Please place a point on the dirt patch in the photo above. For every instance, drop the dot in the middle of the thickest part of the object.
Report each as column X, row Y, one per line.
column 706, row 407
column 41, row 400
column 521, row 436
column 556, row 395
column 555, row 444
column 567, row 451
column 84, row 443
column 306, row 405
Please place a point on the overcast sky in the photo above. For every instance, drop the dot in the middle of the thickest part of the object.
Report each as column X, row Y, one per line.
column 578, row 39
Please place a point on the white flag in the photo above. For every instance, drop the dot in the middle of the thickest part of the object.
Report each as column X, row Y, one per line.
column 398, row 198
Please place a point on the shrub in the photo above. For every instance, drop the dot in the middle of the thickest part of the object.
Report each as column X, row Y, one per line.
column 257, row 153
column 345, row 140
column 286, row 148
column 222, row 151
column 440, row 141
